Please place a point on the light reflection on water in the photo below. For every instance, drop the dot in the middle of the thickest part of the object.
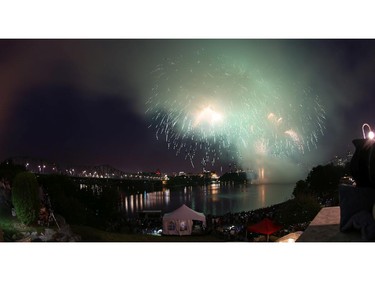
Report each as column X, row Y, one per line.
column 212, row 199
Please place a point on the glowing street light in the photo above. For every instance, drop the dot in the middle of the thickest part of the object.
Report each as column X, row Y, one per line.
column 370, row 134
column 362, row 164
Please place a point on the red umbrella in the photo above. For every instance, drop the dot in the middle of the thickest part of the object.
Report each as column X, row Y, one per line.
column 265, row 226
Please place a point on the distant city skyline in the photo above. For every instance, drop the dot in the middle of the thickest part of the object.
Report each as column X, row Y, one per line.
column 44, row 166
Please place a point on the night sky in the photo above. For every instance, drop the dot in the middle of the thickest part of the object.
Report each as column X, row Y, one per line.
column 84, row 102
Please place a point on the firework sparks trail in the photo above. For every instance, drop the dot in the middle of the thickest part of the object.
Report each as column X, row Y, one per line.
column 209, row 104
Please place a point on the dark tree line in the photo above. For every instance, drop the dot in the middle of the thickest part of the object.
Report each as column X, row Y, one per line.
column 322, row 182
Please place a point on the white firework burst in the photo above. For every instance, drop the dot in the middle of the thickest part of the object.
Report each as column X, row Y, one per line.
column 212, row 105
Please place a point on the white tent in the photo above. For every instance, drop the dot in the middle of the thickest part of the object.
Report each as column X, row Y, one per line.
column 180, row 221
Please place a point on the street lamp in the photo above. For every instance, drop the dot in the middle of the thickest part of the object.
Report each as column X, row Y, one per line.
column 370, row 135
column 362, row 165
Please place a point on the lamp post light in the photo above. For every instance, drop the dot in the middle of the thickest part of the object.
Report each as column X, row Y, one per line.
column 370, row 134
column 362, row 165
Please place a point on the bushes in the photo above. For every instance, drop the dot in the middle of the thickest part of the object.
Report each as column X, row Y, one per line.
column 322, row 182
column 25, row 197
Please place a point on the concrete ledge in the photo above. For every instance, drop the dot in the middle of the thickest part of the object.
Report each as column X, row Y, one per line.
column 325, row 227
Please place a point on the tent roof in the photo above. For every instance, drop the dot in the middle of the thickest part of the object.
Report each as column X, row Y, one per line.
column 265, row 226
column 184, row 212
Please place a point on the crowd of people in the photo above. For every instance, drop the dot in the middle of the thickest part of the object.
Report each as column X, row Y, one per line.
column 233, row 226
column 229, row 227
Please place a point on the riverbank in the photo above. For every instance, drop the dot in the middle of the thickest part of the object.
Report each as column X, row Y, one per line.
column 294, row 215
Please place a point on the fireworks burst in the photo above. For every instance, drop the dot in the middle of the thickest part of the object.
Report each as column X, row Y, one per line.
column 219, row 107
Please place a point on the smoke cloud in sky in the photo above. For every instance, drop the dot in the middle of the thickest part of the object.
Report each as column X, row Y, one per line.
column 246, row 80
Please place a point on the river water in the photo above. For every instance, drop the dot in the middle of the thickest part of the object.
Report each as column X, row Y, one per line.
column 212, row 199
